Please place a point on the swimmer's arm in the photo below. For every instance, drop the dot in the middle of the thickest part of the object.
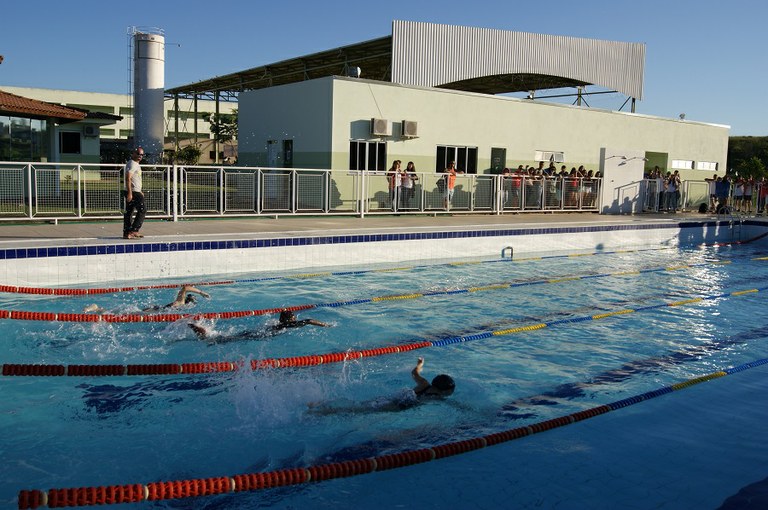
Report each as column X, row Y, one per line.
column 200, row 331
column 421, row 383
column 195, row 290
column 183, row 294
column 318, row 323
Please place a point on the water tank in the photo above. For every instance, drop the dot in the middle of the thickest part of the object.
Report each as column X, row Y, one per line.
column 148, row 91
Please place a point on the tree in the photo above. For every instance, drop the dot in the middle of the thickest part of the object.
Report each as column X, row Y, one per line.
column 188, row 155
column 746, row 153
column 753, row 167
column 223, row 125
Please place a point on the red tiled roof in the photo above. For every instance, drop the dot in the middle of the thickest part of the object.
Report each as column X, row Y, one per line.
column 23, row 106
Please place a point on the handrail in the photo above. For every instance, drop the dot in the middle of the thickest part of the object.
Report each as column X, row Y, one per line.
column 75, row 191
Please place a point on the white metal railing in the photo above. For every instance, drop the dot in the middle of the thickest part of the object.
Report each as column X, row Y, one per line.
column 695, row 193
column 60, row 191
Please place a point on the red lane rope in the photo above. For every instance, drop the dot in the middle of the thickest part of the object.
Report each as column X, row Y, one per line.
column 40, row 370
column 161, row 317
column 109, row 290
column 155, row 491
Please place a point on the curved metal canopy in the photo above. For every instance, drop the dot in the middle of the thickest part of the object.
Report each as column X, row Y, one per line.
column 454, row 57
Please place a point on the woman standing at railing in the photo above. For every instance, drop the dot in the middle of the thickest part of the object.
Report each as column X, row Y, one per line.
column 395, row 179
column 409, row 179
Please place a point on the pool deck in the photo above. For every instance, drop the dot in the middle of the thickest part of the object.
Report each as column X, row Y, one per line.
column 90, row 232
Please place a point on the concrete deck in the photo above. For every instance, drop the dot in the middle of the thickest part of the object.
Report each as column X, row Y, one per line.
column 38, row 234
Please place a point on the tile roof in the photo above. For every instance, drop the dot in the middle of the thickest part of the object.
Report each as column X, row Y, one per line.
column 23, row 106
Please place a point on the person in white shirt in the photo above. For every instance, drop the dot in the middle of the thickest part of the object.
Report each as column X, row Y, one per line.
column 134, row 198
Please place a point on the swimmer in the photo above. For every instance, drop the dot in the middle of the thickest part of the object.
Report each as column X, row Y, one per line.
column 184, row 297
column 287, row 320
column 441, row 386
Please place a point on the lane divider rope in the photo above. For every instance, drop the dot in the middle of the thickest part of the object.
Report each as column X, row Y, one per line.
column 173, row 317
column 46, row 370
column 114, row 290
column 203, row 487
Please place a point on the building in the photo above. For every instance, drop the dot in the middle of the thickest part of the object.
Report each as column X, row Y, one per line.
column 433, row 93
column 38, row 131
column 121, row 128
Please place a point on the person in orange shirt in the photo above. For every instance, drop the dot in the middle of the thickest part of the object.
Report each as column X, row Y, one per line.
column 450, row 183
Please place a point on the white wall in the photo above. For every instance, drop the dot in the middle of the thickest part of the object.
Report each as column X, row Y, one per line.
column 521, row 126
column 299, row 111
column 622, row 171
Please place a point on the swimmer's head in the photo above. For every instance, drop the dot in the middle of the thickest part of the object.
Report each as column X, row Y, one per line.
column 443, row 385
column 287, row 316
column 189, row 299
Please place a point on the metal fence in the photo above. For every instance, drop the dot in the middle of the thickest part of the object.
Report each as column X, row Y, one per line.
column 54, row 191
column 692, row 194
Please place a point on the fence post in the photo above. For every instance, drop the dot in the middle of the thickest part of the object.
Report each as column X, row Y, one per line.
column 31, row 191
column 363, row 200
column 175, row 192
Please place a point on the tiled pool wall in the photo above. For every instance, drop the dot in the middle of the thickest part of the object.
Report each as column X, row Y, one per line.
column 122, row 261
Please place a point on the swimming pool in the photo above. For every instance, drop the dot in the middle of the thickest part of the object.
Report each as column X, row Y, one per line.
column 527, row 341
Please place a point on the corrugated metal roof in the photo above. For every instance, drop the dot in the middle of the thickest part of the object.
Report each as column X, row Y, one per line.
column 463, row 58
column 11, row 104
column 497, row 61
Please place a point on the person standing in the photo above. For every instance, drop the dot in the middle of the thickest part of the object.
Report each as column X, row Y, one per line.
column 395, row 179
column 450, row 183
column 409, row 183
column 134, row 197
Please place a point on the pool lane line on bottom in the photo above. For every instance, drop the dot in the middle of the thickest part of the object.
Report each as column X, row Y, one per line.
column 25, row 315
column 47, row 370
column 204, row 487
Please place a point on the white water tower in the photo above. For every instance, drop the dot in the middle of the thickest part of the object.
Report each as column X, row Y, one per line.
column 148, row 91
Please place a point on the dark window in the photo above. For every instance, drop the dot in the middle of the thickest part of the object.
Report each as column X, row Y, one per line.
column 370, row 156
column 287, row 153
column 69, row 142
column 465, row 158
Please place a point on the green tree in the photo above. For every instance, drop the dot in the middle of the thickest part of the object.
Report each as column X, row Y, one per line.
column 223, row 125
column 742, row 150
column 188, row 155
column 753, row 167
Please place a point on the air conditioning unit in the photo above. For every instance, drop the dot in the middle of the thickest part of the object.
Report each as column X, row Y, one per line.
column 379, row 127
column 91, row 131
column 410, row 128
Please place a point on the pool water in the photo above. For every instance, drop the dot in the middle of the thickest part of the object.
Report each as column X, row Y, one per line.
column 689, row 449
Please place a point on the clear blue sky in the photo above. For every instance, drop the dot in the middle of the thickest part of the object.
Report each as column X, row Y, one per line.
column 707, row 59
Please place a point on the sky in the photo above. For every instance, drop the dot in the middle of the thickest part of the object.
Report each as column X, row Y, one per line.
column 707, row 59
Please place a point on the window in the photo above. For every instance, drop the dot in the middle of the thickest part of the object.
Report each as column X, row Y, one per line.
column 287, row 153
column 69, row 142
column 498, row 160
column 125, row 111
column 184, row 116
column 94, row 108
column 465, row 158
column 710, row 166
column 23, row 139
column 371, row 156
column 550, row 156
column 126, row 133
column 682, row 164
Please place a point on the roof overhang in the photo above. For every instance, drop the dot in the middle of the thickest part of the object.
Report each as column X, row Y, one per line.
column 454, row 57
column 19, row 106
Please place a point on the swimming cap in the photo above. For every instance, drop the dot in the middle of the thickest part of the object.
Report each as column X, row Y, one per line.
column 286, row 316
column 443, row 382
column 190, row 299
